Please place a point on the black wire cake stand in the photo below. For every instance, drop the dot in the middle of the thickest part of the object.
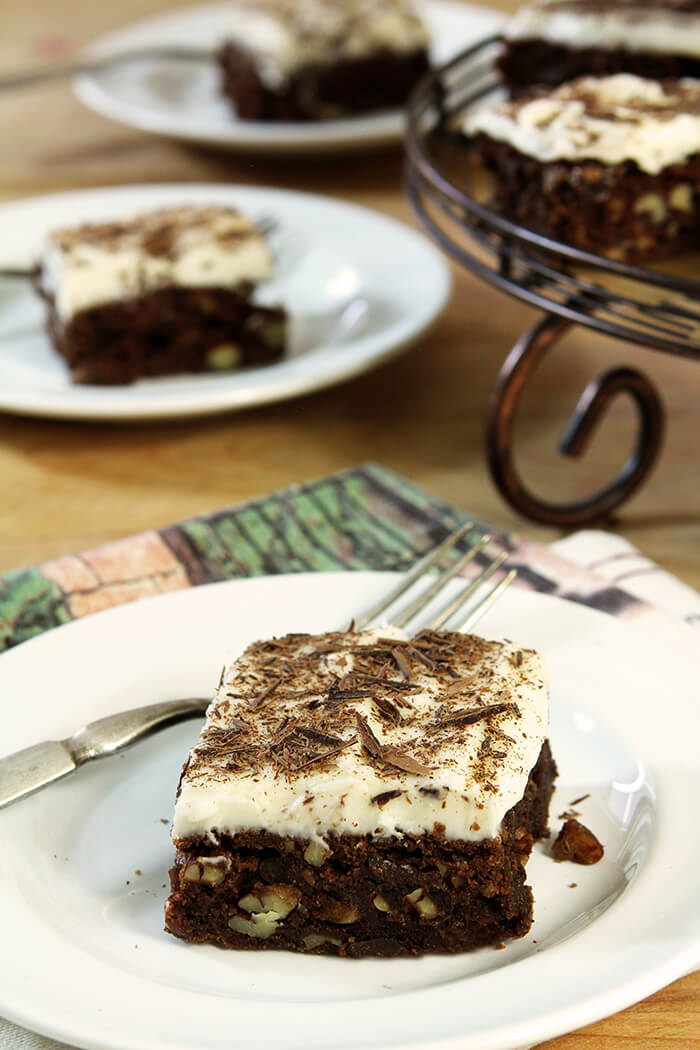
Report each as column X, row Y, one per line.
column 654, row 308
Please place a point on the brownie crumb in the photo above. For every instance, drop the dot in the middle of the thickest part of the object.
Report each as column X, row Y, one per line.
column 576, row 843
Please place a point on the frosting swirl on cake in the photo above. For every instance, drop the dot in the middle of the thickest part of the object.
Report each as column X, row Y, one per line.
column 608, row 119
column 367, row 734
column 671, row 28
column 189, row 246
column 287, row 35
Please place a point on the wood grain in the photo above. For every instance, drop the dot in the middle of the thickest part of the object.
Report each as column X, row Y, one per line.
column 65, row 486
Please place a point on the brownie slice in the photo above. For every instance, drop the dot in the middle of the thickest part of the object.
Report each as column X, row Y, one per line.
column 364, row 795
column 610, row 165
column 552, row 41
column 292, row 60
column 162, row 293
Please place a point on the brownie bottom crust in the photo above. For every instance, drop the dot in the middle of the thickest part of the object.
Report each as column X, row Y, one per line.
column 526, row 63
column 617, row 210
column 362, row 896
column 169, row 331
column 320, row 92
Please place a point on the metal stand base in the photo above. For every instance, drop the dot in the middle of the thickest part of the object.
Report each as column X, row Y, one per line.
column 654, row 308
column 592, row 405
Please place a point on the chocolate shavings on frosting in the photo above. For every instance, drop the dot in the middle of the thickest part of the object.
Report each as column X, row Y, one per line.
column 387, row 710
column 402, row 663
column 385, row 796
column 327, row 754
column 387, row 752
column 388, row 683
column 262, row 696
column 336, row 694
column 468, row 716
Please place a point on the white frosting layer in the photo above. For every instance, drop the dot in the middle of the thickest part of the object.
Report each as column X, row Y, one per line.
column 655, row 29
column 476, row 772
column 608, row 119
column 204, row 247
column 286, row 36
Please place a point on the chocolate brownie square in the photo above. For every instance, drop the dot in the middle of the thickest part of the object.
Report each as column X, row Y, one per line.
column 292, row 60
column 160, row 293
column 364, row 795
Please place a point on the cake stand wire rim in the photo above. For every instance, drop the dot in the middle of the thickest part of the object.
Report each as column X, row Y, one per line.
column 424, row 179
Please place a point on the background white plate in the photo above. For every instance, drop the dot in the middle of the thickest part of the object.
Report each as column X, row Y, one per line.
column 82, row 951
column 182, row 100
column 360, row 287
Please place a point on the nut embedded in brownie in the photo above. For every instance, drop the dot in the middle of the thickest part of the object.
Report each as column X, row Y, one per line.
column 318, row 59
column 364, row 795
column 610, row 165
column 552, row 41
column 164, row 292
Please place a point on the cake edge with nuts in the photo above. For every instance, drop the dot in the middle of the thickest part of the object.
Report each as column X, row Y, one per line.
column 609, row 165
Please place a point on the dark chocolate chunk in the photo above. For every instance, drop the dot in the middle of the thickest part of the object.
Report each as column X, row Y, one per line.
column 385, row 796
column 468, row 716
column 387, row 752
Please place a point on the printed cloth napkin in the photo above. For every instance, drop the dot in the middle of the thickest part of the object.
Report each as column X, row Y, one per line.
column 364, row 518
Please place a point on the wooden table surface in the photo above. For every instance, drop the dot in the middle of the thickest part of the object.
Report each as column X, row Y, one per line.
column 66, row 486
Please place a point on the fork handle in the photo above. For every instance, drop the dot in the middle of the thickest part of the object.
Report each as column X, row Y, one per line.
column 108, row 735
column 28, row 77
column 35, row 767
column 19, row 273
column 27, row 771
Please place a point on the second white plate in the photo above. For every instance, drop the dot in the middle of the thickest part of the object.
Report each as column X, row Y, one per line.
column 359, row 288
column 182, row 100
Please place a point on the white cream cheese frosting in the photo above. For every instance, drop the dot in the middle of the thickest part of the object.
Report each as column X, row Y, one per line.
column 364, row 734
column 672, row 29
column 287, row 35
column 609, row 119
column 190, row 246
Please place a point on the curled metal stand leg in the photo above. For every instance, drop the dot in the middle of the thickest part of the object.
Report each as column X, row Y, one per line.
column 592, row 405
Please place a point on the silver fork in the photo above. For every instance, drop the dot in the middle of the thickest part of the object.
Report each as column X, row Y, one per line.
column 28, row 77
column 33, row 768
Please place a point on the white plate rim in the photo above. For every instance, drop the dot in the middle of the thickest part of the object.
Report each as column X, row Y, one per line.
column 317, row 369
column 350, row 133
column 670, row 966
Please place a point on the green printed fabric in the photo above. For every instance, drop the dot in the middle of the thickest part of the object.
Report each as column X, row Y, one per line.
column 365, row 518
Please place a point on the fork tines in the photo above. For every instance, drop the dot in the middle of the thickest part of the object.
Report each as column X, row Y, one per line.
column 436, row 583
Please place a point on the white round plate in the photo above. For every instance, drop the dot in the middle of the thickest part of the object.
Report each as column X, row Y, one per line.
column 359, row 288
column 83, row 954
column 182, row 100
